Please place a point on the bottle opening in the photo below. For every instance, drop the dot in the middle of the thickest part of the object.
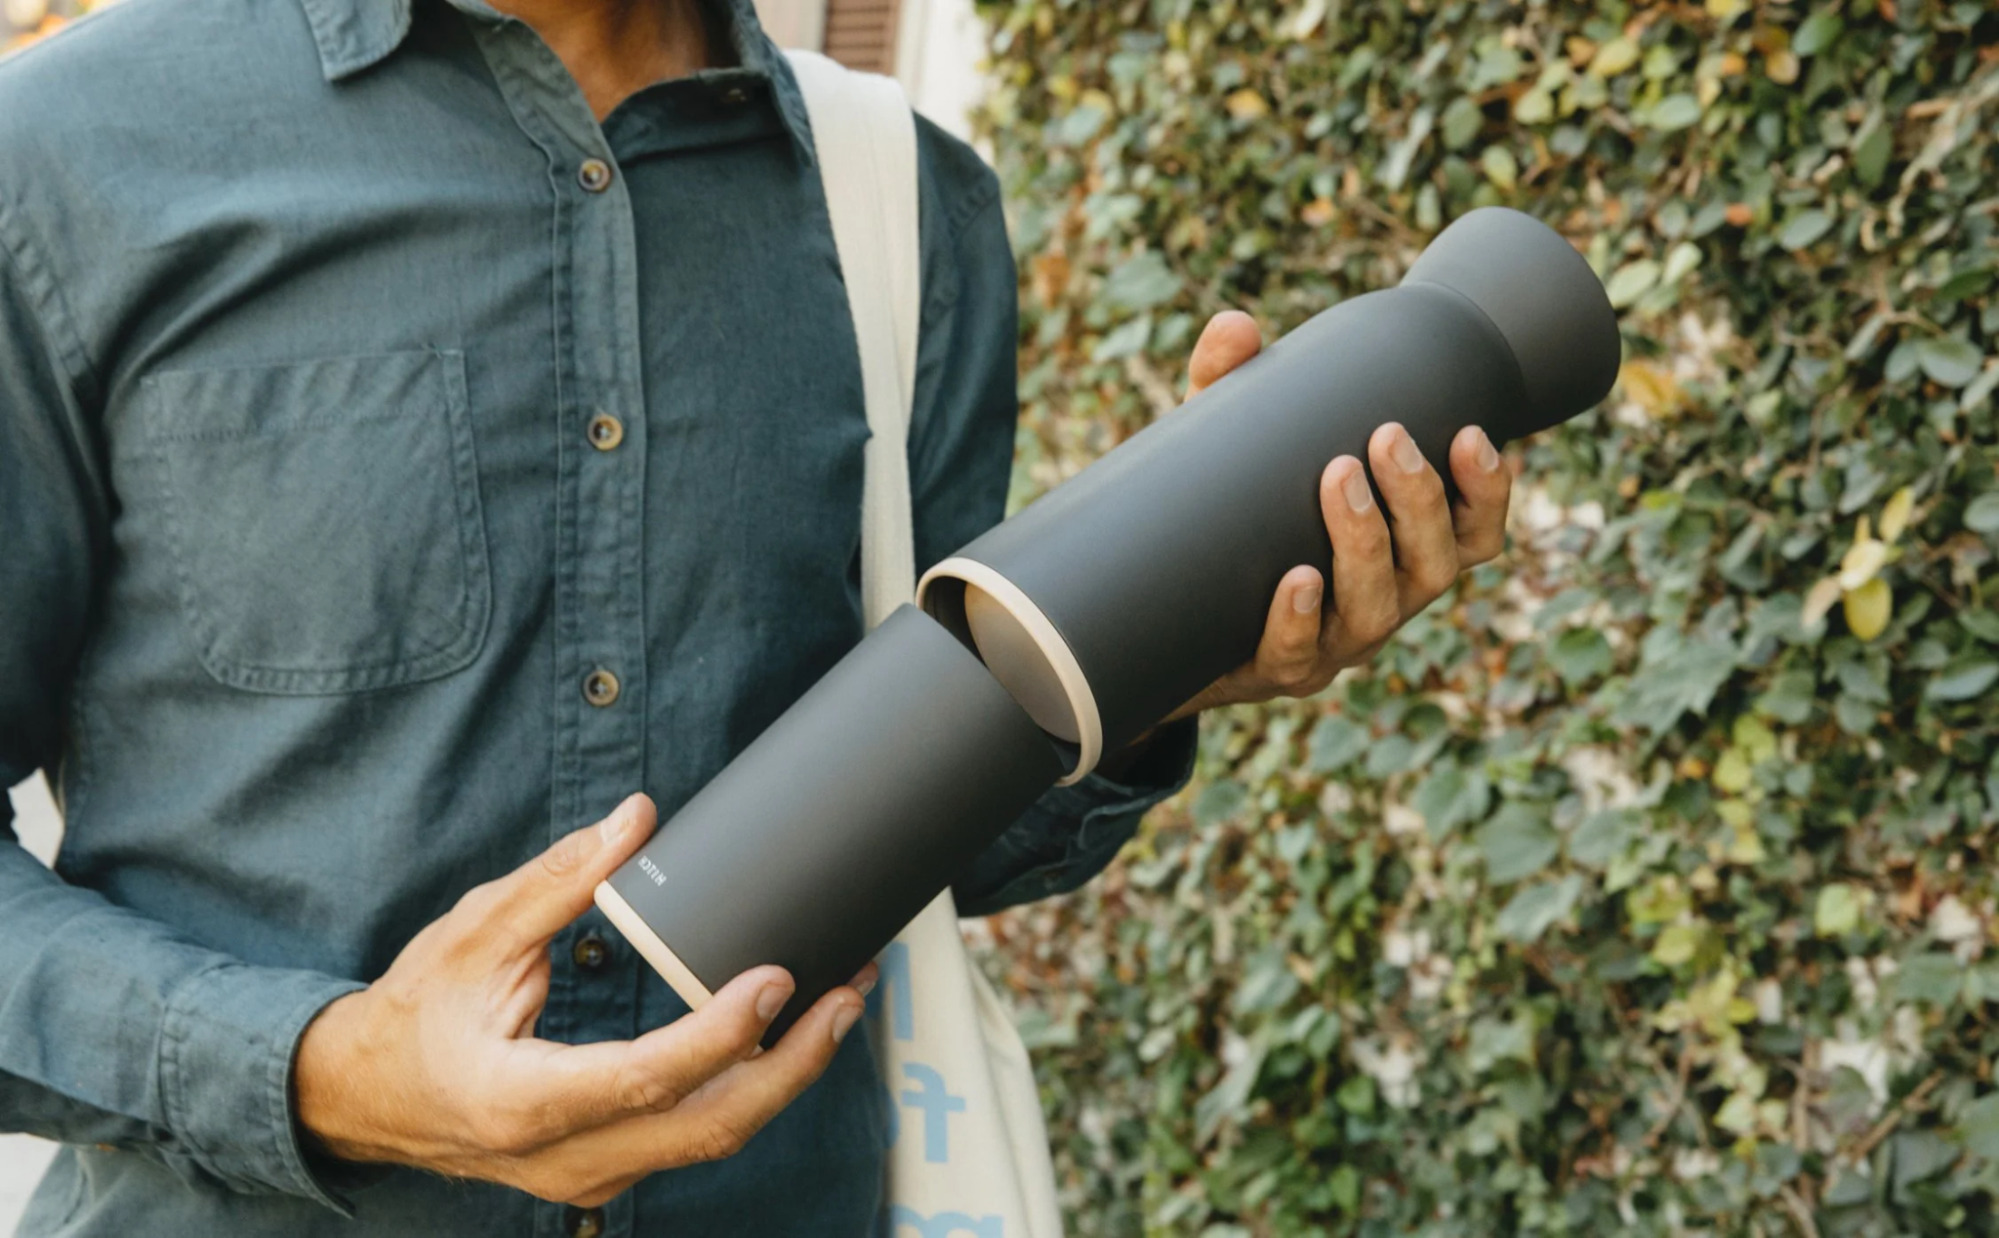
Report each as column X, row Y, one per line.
column 1023, row 651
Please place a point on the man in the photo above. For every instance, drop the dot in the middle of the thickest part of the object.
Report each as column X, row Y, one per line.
column 421, row 426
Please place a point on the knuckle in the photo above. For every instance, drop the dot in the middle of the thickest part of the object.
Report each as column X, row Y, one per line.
column 1296, row 674
column 642, row 1093
column 564, row 857
column 716, row 1143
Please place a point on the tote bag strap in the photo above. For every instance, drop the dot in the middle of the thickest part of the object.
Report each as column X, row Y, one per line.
column 866, row 140
column 969, row 1152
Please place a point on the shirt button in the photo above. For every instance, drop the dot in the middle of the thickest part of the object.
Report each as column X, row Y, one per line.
column 734, row 96
column 594, row 175
column 588, row 1223
column 591, row 952
column 606, row 432
column 600, row 688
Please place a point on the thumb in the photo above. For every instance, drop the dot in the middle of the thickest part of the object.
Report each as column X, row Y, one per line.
column 540, row 898
column 1230, row 338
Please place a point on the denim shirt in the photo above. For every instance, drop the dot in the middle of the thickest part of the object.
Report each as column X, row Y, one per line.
column 397, row 468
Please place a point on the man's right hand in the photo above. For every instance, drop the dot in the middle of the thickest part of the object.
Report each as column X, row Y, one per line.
column 436, row 1064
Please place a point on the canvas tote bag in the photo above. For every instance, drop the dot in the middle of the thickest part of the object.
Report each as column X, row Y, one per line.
column 968, row 1154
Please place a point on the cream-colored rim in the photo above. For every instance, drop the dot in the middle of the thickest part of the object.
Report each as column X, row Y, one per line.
column 1068, row 672
column 651, row 948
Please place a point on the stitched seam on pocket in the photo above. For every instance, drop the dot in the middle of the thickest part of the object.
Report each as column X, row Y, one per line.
column 410, row 667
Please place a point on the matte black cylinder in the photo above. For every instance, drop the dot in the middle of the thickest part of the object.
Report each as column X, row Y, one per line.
column 1155, row 567
column 830, row 832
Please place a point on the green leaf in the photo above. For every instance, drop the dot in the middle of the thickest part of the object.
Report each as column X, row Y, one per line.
column 1218, row 801
column 1603, row 836
column 1870, row 155
column 1141, row 282
column 1983, row 624
column 1679, row 683
column 1462, row 121
column 1981, row 515
column 1450, row 797
column 1948, row 360
column 1579, row 655
column 1529, row 913
column 1674, row 112
column 1921, row 1155
column 1336, row 743
column 1837, row 911
column 1804, row 228
column 1125, row 340
column 1517, row 842
column 1980, row 1126
column 1818, row 32
column 1631, row 281
column 1932, row 977
column 1963, row 682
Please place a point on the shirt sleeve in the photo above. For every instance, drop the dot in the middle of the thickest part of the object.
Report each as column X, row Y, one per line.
column 114, row 1029
column 960, row 459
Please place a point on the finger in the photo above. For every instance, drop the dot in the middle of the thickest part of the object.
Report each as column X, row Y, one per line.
column 589, row 1085
column 721, row 1118
column 524, row 909
column 1287, row 657
column 1426, row 544
column 1485, row 486
column 735, row 1106
column 1230, row 338
column 1366, row 605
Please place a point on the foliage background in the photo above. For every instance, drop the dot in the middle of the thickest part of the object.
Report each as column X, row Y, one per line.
column 1644, row 884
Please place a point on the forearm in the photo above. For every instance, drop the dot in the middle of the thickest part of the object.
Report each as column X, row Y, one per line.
column 1073, row 832
column 115, row 1029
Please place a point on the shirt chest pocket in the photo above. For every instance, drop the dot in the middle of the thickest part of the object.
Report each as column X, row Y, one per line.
column 323, row 519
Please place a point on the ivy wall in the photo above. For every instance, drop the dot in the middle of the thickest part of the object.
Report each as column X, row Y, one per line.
column 1646, row 883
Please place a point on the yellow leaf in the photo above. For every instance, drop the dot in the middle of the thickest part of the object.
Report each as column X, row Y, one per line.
column 1732, row 772
column 1745, row 846
column 1895, row 516
column 1614, row 57
column 1318, row 212
column 1247, row 104
column 1782, row 66
column 1651, row 387
column 1868, row 608
column 1819, row 602
column 1677, row 944
column 1862, row 560
column 1725, row 9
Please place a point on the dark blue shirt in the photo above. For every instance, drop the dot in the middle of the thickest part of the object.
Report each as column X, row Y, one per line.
column 397, row 468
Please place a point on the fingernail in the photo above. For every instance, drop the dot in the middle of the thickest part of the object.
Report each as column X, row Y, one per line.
column 1408, row 456
column 1306, row 600
column 1488, row 459
column 843, row 1020
column 866, row 984
column 1360, row 496
column 772, row 1000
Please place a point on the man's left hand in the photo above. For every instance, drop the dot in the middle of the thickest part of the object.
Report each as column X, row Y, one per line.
column 1378, row 584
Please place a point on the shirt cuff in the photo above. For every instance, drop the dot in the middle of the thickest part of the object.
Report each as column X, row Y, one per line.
column 227, row 1047
column 1072, row 832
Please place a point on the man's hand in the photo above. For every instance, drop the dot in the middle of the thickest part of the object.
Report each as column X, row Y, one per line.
column 1377, row 585
column 436, row 1066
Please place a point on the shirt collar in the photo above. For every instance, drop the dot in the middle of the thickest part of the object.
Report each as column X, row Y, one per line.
column 355, row 35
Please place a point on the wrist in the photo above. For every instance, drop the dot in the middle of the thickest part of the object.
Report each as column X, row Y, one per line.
column 329, row 1081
